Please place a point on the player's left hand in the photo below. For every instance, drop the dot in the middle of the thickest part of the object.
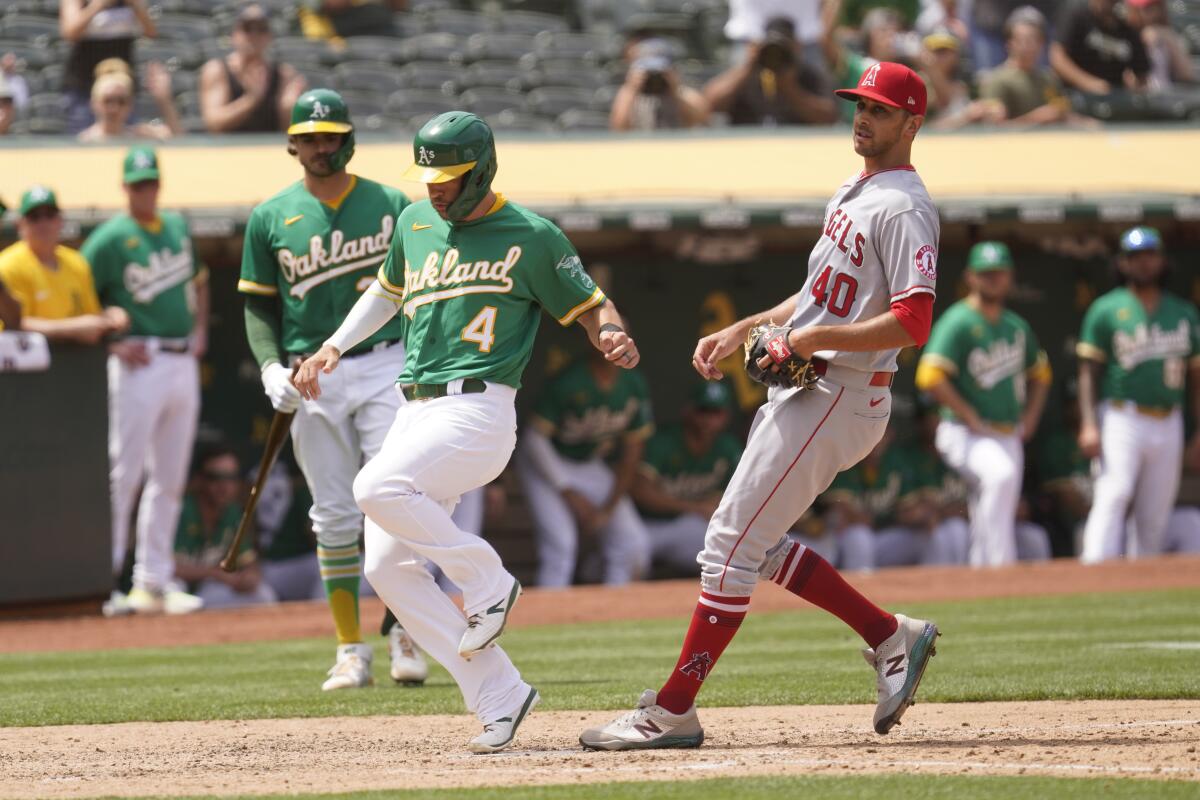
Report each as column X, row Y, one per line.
column 307, row 378
column 619, row 348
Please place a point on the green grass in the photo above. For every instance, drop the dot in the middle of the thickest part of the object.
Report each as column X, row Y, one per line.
column 1010, row 649
column 826, row 787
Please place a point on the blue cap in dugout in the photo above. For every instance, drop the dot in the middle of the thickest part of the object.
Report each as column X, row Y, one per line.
column 1140, row 238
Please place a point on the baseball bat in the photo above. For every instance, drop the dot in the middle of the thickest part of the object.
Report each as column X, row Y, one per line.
column 281, row 423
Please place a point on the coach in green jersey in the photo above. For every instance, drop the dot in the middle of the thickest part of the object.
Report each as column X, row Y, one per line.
column 470, row 272
column 1139, row 346
column 309, row 253
column 984, row 366
column 143, row 261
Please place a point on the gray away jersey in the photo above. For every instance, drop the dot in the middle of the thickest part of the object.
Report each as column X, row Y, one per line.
column 879, row 246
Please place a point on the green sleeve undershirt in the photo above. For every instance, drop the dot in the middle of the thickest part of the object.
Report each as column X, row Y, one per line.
column 263, row 329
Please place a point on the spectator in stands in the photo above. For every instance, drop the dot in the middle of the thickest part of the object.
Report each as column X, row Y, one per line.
column 112, row 104
column 246, row 92
column 1096, row 51
column 772, row 86
column 51, row 281
column 748, row 19
column 97, row 30
column 8, row 105
column 684, row 470
column 653, row 96
column 950, row 103
column 1030, row 93
column 988, row 21
column 207, row 525
column 855, row 12
column 1167, row 50
column 945, row 15
column 339, row 19
column 881, row 31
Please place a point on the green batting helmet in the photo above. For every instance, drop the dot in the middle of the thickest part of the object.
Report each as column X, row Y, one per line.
column 324, row 111
column 452, row 145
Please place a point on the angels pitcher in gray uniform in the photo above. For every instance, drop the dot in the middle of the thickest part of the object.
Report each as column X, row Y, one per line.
column 869, row 293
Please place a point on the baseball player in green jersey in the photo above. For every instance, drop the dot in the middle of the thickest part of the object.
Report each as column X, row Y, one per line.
column 984, row 366
column 309, row 253
column 144, row 262
column 1138, row 347
column 684, row 470
column 589, row 416
column 471, row 273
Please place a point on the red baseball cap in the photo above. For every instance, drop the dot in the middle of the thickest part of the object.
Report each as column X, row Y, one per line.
column 891, row 84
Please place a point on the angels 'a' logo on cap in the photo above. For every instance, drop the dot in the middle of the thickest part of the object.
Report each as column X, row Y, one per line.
column 912, row 102
column 868, row 78
column 424, row 156
column 319, row 110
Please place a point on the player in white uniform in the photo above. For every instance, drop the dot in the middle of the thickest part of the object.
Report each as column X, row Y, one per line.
column 869, row 293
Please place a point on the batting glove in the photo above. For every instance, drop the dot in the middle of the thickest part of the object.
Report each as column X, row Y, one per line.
column 277, row 381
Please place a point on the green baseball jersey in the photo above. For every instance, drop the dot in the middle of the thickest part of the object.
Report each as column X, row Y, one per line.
column 1060, row 459
column 875, row 489
column 686, row 475
column 319, row 257
column 986, row 361
column 146, row 270
column 209, row 546
column 1145, row 355
column 585, row 421
column 472, row 292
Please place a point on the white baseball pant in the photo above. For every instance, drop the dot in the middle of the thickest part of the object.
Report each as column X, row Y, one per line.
column 1183, row 531
column 993, row 467
column 799, row 441
column 333, row 435
column 900, row 545
column 153, row 412
column 624, row 542
column 1139, row 466
column 675, row 542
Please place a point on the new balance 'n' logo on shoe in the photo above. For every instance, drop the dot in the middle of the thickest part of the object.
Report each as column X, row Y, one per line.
column 648, row 727
column 485, row 627
column 899, row 663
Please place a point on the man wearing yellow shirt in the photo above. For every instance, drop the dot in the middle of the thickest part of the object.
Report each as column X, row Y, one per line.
column 51, row 282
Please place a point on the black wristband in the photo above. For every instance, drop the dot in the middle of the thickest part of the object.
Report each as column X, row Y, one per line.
column 611, row 326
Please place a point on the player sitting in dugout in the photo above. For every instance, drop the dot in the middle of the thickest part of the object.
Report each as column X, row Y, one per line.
column 577, row 460
column 684, row 470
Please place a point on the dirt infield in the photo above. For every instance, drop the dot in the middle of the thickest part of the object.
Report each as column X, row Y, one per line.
column 1149, row 739
column 662, row 599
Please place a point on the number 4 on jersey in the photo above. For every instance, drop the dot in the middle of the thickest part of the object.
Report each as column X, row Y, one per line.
column 840, row 296
column 482, row 329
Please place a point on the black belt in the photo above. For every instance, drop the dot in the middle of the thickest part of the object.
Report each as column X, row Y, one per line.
column 375, row 348
column 174, row 347
column 432, row 391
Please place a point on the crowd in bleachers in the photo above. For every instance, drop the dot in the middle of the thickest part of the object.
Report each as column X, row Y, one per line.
column 160, row 68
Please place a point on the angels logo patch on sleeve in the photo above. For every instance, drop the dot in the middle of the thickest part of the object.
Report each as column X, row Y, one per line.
column 926, row 261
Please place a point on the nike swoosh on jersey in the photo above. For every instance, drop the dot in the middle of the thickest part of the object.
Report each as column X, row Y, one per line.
column 296, row 218
column 419, row 227
column 875, row 402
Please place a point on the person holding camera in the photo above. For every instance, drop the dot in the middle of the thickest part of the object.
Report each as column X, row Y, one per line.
column 97, row 30
column 773, row 86
column 653, row 96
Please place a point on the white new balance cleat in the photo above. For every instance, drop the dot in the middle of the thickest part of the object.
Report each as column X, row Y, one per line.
column 352, row 669
column 172, row 601
column 899, row 664
column 649, row 727
column 486, row 626
column 408, row 665
column 499, row 734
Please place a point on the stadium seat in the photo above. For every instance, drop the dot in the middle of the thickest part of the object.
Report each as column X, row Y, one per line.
column 176, row 55
column 532, row 22
column 490, row 102
column 498, row 46
column 460, row 23
column 188, row 104
column 370, row 48
column 185, row 27
column 364, row 103
column 499, row 75
column 46, row 126
column 431, row 75
column 553, row 101
column 52, row 77
column 443, row 47
column 367, row 76
column 412, row 102
column 582, row 120
column 47, row 106
column 35, row 29
column 520, row 121
column 568, row 72
column 297, row 48
column 35, row 57
column 590, row 47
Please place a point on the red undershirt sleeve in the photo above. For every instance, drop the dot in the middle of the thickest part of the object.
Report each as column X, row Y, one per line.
column 915, row 313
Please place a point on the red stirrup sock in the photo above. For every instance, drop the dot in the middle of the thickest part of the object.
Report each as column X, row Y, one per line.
column 714, row 623
column 807, row 575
